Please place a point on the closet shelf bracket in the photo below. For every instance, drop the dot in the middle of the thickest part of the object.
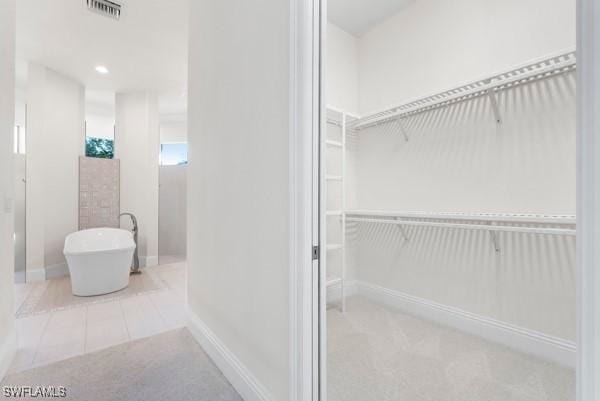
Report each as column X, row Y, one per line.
column 494, row 103
column 494, row 237
column 402, row 229
column 401, row 129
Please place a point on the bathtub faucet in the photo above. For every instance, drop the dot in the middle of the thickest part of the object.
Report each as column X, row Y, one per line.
column 136, row 261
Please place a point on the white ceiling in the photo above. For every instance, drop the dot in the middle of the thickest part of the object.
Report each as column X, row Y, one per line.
column 145, row 50
column 358, row 16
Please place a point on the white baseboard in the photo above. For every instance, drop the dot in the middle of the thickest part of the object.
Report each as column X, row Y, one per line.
column 8, row 349
column 57, row 270
column 334, row 292
column 248, row 386
column 38, row 274
column 148, row 261
column 547, row 347
column 46, row 273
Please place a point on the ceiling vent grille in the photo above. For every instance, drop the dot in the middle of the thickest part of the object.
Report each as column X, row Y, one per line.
column 105, row 7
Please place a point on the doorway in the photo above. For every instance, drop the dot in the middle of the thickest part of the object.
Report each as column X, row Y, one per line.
column 446, row 248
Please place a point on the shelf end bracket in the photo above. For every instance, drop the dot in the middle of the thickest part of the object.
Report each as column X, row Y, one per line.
column 495, row 107
column 402, row 129
column 402, row 229
column 494, row 237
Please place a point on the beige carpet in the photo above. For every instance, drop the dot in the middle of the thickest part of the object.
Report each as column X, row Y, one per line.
column 165, row 367
column 380, row 354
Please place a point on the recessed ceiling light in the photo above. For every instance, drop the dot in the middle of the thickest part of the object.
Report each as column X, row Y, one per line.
column 102, row 69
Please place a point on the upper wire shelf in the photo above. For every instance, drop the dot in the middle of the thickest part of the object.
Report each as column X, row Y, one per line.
column 540, row 69
column 523, row 218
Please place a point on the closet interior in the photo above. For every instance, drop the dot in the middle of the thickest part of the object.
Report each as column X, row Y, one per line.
column 448, row 201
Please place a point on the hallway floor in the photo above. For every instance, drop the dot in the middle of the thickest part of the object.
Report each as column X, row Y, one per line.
column 63, row 330
column 165, row 367
column 378, row 353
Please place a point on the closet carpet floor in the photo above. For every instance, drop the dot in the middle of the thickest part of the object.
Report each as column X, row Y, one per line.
column 380, row 354
column 166, row 367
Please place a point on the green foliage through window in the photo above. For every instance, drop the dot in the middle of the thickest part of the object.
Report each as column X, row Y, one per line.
column 99, row 147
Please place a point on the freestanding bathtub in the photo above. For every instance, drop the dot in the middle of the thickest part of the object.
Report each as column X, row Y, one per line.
column 99, row 260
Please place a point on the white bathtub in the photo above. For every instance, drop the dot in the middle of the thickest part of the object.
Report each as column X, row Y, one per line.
column 99, row 260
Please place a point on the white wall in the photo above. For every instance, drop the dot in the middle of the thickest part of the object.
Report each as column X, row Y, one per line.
column 434, row 45
column 55, row 140
column 173, row 132
column 524, row 165
column 7, row 114
column 341, row 75
column 238, row 213
column 459, row 160
column 100, row 114
column 100, row 126
column 172, row 217
column 20, row 112
column 137, row 146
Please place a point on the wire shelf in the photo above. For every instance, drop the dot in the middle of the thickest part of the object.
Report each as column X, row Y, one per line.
column 540, row 69
column 524, row 223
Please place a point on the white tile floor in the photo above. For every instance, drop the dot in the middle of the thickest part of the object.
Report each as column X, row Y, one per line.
column 58, row 335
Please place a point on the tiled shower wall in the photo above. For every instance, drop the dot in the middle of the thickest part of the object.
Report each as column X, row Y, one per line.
column 99, row 195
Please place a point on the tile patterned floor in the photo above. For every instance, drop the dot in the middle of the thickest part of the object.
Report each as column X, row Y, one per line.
column 49, row 337
column 55, row 294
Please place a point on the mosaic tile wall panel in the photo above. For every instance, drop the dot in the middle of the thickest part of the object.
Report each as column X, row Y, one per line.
column 99, row 192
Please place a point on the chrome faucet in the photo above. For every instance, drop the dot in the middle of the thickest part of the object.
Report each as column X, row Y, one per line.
column 136, row 261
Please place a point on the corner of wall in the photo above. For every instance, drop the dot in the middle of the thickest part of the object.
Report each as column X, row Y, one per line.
column 240, row 377
column 37, row 274
column 8, row 342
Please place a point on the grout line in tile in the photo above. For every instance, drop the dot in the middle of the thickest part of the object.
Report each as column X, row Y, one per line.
column 39, row 342
column 161, row 317
column 98, row 301
column 51, row 313
column 85, row 329
column 124, row 320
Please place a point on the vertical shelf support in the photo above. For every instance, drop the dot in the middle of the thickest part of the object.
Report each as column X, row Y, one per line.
column 494, row 103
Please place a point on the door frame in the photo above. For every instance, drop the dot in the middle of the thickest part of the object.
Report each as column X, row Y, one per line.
column 305, row 126
column 588, row 200
column 308, row 19
column 305, row 116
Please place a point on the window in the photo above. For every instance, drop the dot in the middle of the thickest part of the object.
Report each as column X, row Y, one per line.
column 100, row 136
column 99, row 147
column 173, row 154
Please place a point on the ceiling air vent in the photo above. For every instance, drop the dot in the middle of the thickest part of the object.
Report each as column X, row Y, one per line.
column 107, row 8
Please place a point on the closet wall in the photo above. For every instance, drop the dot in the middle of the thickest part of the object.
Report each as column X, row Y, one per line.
column 433, row 45
column 341, row 73
column 457, row 159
